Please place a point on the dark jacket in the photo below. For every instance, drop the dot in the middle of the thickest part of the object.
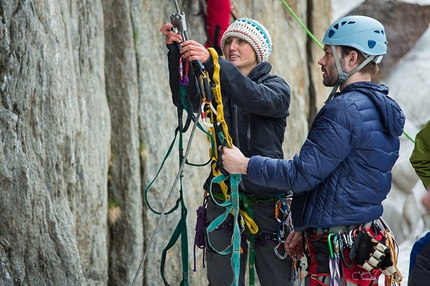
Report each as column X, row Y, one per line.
column 261, row 102
column 419, row 265
column 343, row 171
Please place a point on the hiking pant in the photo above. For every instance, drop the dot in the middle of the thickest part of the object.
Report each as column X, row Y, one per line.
column 270, row 269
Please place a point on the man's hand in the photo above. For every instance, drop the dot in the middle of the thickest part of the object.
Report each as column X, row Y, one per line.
column 233, row 161
column 294, row 245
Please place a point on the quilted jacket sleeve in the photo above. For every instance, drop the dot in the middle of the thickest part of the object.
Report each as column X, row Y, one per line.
column 328, row 144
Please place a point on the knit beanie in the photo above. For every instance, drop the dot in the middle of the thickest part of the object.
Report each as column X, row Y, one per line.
column 252, row 32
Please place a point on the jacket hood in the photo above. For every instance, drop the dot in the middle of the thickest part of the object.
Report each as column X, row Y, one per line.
column 392, row 115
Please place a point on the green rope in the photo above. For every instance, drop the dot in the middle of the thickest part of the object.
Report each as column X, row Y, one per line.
column 303, row 25
column 409, row 137
column 319, row 44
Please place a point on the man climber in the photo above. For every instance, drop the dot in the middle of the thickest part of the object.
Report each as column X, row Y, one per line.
column 343, row 171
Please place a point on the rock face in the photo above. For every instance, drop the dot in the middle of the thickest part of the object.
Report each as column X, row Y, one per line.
column 86, row 120
column 404, row 24
column 55, row 135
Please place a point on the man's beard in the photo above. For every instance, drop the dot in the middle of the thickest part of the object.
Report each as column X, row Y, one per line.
column 330, row 81
column 331, row 77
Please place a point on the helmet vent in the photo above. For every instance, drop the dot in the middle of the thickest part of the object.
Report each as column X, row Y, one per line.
column 348, row 22
column 371, row 44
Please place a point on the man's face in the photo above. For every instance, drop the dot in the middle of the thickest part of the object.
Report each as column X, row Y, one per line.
column 328, row 66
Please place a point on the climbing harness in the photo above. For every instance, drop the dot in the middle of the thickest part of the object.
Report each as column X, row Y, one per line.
column 358, row 254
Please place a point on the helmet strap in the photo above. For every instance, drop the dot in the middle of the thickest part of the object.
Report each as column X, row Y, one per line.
column 343, row 76
column 359, row 67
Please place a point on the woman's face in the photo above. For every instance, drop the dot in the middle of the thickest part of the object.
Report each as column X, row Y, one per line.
column 241, row 54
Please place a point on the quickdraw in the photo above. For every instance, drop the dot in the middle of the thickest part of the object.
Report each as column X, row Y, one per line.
column 297, row 274
column 283, row 216
column 334, row 260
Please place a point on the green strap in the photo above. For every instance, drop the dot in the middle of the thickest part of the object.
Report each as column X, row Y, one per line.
column 247, row 203
column 145, row 191
column 235, row 259
column 248, row 210
column 180, row 230
column 231, row 205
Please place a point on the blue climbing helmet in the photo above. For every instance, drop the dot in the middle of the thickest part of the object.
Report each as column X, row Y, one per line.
column 361, row 32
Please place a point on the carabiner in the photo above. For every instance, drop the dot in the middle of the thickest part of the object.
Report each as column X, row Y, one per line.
column 275, row 249
column 330, row 247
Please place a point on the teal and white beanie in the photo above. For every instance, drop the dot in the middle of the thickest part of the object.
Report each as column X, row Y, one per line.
column 252, row 32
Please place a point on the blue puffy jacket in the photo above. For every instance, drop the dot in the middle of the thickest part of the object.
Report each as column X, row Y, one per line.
column 343, row 171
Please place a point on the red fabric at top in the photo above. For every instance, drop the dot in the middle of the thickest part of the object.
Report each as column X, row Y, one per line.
column 217, row 21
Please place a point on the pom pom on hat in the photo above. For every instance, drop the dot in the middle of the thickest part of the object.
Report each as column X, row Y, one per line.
column 252, row 32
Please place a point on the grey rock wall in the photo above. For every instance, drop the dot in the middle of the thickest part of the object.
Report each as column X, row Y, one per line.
column 55, row 132
column 86, row 120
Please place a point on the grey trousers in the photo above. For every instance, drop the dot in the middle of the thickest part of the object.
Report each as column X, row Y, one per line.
column 270, row 269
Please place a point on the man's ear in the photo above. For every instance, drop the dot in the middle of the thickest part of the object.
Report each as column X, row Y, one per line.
column 353, row 58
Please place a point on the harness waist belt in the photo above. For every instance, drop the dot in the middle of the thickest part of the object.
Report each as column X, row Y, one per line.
column 335, row 229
